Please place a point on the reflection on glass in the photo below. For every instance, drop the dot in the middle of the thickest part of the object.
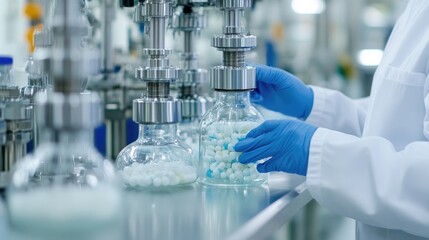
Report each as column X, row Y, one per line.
column 224, row 210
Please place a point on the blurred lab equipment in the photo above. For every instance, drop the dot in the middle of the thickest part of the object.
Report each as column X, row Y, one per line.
column 65, row 188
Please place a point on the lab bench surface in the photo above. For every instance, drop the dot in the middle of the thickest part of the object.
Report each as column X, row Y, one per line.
column 205, row 212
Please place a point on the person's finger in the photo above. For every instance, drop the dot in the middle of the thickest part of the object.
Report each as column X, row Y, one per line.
column 270, row 165
column 256, row 154
column 265, row 127
column 249, row 144
column 255, row 97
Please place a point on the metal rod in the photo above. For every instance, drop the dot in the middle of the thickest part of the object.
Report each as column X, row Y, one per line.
column 157, row 32
column 108, row 15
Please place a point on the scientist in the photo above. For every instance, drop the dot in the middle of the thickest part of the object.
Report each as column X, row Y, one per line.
column 365, row 159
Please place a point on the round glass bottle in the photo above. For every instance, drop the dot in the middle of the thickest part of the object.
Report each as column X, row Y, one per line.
column 226, row 123
column 156, row 159
column 65, row 187
column 189, row 133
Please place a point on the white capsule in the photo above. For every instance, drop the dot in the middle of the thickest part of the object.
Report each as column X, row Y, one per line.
column 216, row 173
column 218, row 149
column 210, row 147
column 157, row 181
column 223, row 175
column 254, row 176
column 210, row 153
column 246, row 172
column 229, row 171
column 221, row 165
column 238, row 174
column 235, row 166
column 218, row 157
column 174, row 180
column 165, row 181
column 231, row 176
column 247, row 178
column 213, row 166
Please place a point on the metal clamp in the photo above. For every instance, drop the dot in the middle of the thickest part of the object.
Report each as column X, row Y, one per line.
column 236, row 42
column 233, row 79
column 164, row 74
column 156, row 110
column 234, row 4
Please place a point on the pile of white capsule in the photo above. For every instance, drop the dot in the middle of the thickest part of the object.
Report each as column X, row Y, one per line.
column 220, row 161
column 158, row 174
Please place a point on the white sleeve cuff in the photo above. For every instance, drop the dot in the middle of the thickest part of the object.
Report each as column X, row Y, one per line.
column 318, row 115
column 314, row 170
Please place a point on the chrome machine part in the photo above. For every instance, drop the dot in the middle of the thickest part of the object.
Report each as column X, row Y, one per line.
column 189, row 21
column 67, row 108
column 234, row 75
column 157, row 107
column 16, row 125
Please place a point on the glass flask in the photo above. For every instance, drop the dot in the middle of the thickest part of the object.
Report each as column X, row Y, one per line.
column 65, row 187
column 156, row 159
column 189, row 133
column 226, row 123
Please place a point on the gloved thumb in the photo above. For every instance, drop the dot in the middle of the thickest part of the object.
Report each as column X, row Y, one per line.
column 267, row 166
column 255, row 97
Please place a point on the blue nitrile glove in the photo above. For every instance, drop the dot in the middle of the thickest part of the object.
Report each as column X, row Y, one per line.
column 280, row 91
column 285, row 142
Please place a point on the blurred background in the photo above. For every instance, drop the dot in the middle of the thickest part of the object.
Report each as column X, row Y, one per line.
column 332, row 43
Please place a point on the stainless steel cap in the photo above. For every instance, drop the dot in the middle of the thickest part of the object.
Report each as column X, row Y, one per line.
column 71, row 111
column 157, row 110
column 235, row 42
column 234, row 4
column 158, row 74
column 233, row 78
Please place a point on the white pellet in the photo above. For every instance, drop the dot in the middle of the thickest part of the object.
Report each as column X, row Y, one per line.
column 158, row 174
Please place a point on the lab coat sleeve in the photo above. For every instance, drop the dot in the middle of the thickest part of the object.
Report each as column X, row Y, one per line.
column 368, row 180
column 333, row 110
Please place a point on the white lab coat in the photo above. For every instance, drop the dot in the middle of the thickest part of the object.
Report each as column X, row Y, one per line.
column 369, row 160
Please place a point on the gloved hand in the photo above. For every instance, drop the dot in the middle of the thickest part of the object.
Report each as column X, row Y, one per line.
column 285, row 142
column 282, row 92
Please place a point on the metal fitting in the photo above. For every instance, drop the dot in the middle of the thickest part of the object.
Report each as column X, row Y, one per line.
column 157, row 110
column 232, row 78
column 72, row 111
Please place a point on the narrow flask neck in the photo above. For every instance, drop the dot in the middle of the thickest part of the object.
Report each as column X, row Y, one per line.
column 157, row 131
column 234, row 99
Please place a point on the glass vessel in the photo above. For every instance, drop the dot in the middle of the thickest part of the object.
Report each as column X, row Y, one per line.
column 156, row 159
column 226, row 123
column 189, row 133
column 65, row 187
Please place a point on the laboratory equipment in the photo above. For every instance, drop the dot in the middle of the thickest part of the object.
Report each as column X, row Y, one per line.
column 110, row 86
column 157, row 158
column 189, row 21
column 18, row 114
column 65, row 188
column 232, row 116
